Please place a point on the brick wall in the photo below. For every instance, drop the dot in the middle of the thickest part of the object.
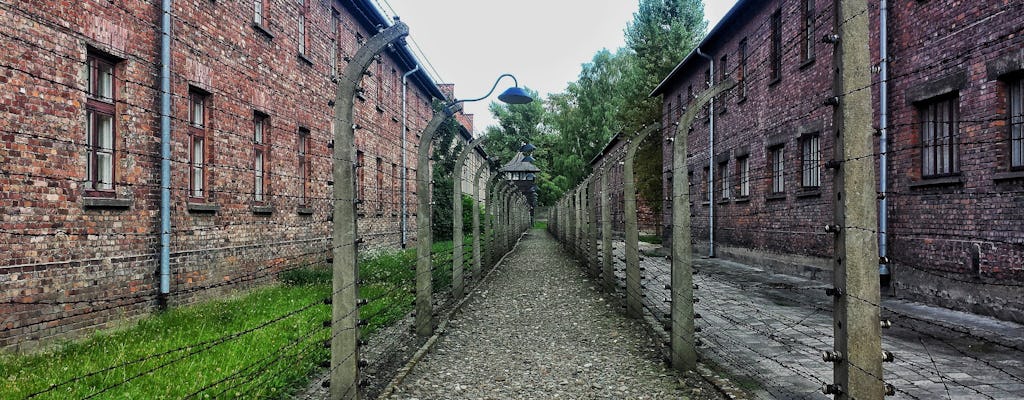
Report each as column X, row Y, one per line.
column 75, row 260
column 938, row 227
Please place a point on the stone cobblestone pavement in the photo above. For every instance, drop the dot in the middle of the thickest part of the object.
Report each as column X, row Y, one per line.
column 539, row 330
column 769, row 330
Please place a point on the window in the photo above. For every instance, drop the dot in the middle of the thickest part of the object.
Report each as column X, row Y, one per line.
column 1016, row 96
column 940, row 137
column 741, row 69
column 335, row 23
column 259, row 16
column 807, row 31
column 776, row 165
column 100, row 111
column 380, row 86
column 302, row 36
column 722, row 74
column 723, row 179
column 197, row 159
column 261, row 154
column 680, row 106
column 811, row 161
column 743, row 170
column 380, row 184
column 395, row 179
column 707, row 184
column 360, row 174
column 304, row 167
column 776, row 56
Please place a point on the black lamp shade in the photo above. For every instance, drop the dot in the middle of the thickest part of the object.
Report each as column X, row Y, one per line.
column 515, row 95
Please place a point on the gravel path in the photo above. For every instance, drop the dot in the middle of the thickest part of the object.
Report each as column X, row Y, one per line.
column 539, row 330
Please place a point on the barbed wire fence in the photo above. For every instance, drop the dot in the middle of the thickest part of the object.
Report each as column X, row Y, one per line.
column 382, row 292
column 774, row 333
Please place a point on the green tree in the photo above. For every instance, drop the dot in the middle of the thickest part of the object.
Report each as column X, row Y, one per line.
column 446, row 149
column 661, row 34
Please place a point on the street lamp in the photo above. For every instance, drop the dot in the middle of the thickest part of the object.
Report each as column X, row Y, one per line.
column 513, row 95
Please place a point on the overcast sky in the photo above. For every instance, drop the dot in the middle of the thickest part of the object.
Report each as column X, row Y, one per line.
column 542, row 42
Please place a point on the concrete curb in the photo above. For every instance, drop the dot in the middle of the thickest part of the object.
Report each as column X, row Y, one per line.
column 407, row 368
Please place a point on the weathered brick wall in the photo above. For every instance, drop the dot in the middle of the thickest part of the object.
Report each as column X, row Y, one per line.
column 647, row 221
column 959, row 241
column 68, row 267
column 937, row 227
column 773, row 113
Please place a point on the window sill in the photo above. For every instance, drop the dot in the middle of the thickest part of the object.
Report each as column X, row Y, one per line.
column 395, row 118
column 203, row 207
column 807, row 63
column 809, row 192
column 263, row 210
column 360, row 96
column 705, row 203
column 775, row 196
column 741, row 100
column 932, row 182
column 304, row 211
column 774, row 82
column 724, row 201
column 304, row 59
column 741, row 199
column 1008, row 176
column 106, row 202
column 259, row 28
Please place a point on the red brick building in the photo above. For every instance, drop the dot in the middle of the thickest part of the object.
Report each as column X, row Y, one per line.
column 251, row 127
column 648, row 222
column 955, row 171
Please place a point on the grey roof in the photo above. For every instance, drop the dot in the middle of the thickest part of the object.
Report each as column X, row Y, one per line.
column 518, row 165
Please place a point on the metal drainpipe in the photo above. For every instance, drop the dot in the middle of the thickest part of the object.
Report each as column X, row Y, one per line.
column 165, row 153
column 883, row 145
column 405, row 118
column 711, row 160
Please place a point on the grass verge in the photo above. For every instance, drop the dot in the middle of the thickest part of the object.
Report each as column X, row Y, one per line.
column 263, row 344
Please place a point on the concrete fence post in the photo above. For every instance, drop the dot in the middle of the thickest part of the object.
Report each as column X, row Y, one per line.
column 592, row 221
column 475, row 271
column 424, row 238
column 634, row 290
column 458, row 282
column 607, row 256
column 858, row 369
column 344, row 373
column 683, row 344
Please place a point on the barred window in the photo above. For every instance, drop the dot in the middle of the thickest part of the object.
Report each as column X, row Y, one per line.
column 1016, row 97
column 811, row 161
column 777, row 167
column 197, row 144
column 940, row 137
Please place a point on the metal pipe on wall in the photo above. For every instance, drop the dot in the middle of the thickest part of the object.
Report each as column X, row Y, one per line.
column 165, row 152
column 711, row 158
column 404, row 222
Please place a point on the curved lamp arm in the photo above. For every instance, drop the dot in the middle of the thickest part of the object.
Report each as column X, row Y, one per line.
column 512, row 95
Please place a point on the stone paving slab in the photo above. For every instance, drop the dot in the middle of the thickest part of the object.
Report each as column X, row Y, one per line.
column 770, row 329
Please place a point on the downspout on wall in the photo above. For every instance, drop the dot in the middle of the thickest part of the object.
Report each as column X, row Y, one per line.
column 405, row 121
column 883, row 145
column 165, row 154
column 711, row 160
